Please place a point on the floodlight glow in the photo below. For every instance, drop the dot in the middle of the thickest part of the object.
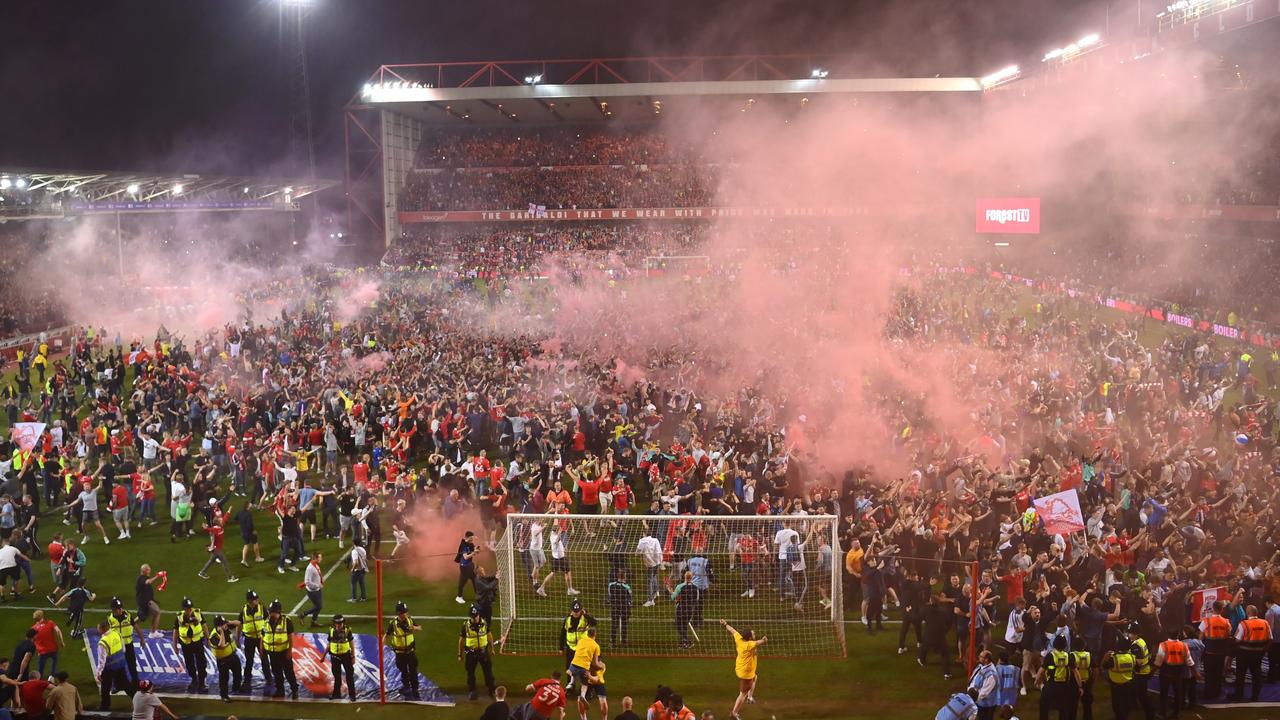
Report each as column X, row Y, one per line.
column 288, row 191
column 1054, row 53
column 132, row 189
column 819, row 73
column 1005, row 73
column 20, row 183
column 177, row 189
column 532, row 79
column 246, row 191
column 1089, row 40
column 5, row 183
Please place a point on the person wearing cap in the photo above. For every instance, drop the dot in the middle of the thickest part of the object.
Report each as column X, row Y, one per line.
column 473, row 643
column 188, row 634
column 112, row 669
column 223, row 644
column 277, row 646
column 399, row 635
column 125, row 623
column 145, row 703
column 252, row 621
column 574, row 629
column 342, row 658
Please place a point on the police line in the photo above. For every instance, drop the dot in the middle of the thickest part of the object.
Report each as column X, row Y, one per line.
column 161, row 663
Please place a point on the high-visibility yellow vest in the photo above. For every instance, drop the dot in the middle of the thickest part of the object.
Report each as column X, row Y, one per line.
column 339, row 641
column 476, row 636
column 1121, row 670
column 1083, row 661
column 252, row 622
column 275, row 637
column 572, row 635
column 1060, row 666
column 123, row 625
column 222, row 643
column 1141, row 658
column 190, row 629
column 401, row 639
column 115, row 659
column 19, row 458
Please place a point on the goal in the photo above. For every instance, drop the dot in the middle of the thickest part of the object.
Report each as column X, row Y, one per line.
column 731, row 568
column 677, row 265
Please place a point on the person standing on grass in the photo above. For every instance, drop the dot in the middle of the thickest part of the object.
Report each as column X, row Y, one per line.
column 87, row 503
column 48, row 640
column 125, row 623
column 248, row 535
column 10, row 573
column 465, row 558
column 144, row 595
column 746, row 646
column 313, row 583
column 113, row 673
column 359, row 569
column 64, row 699
column 215, row 554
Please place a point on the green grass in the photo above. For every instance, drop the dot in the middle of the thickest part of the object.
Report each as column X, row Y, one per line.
column 872, row 682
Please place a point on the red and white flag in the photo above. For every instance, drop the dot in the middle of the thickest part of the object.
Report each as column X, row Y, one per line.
column 1202, row 601
column 1060, row 512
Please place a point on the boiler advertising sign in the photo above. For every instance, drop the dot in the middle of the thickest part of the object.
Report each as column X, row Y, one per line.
column 1009, row 215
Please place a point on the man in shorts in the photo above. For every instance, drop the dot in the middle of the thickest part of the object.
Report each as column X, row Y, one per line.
column 87, row 501
column 145, row 595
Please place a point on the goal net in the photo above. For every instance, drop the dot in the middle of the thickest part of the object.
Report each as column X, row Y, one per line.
column 677, row 265
column 658, row 585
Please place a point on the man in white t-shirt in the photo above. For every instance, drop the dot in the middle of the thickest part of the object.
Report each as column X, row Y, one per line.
column 650, row 551
column 9, row 571
column 559, row 563
column 537, row 556
column 784, row 539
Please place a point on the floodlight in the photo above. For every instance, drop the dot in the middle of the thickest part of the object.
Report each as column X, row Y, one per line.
column 819, row 73
column 1089, row 40
column 20, row 183
column 177, row 188
column 132, row 189
column 5, row 183
column 288, row 191
column 999, row 76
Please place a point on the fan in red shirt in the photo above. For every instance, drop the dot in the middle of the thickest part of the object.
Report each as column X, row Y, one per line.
column 548, row 695
column 622, row 496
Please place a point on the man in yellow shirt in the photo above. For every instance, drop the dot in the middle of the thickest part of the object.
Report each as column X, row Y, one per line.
column 586, row 659
column 744, row 666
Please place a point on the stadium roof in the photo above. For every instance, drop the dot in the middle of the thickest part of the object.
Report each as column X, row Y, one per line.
column 30, row 192
column 584, row 91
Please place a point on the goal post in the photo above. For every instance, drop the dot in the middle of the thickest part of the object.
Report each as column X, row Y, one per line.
column 779, row 576
column 677, row 265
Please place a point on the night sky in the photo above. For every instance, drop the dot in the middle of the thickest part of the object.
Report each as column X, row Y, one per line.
column 201, row 85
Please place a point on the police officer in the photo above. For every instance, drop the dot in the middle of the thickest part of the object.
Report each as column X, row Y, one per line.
column 473, row 643
column 188, row 634
column 124, row 623
column 1215, row 630
column 1119, row 666
column 342, row 658
column 277, row 646
column 1174, row 659
column 1084, row 666
column 575, row 627
column 399, row 635
column 253, row 617
column 1055, row 675
column 112, row 676
column 619, row 598
column 1142, row 668
column 223, row 643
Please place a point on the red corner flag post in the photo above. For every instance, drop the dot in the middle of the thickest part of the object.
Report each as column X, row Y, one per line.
column 971, row 659
column 382, row 663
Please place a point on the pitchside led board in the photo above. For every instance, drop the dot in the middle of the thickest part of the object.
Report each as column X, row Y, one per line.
column 1009, row 215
